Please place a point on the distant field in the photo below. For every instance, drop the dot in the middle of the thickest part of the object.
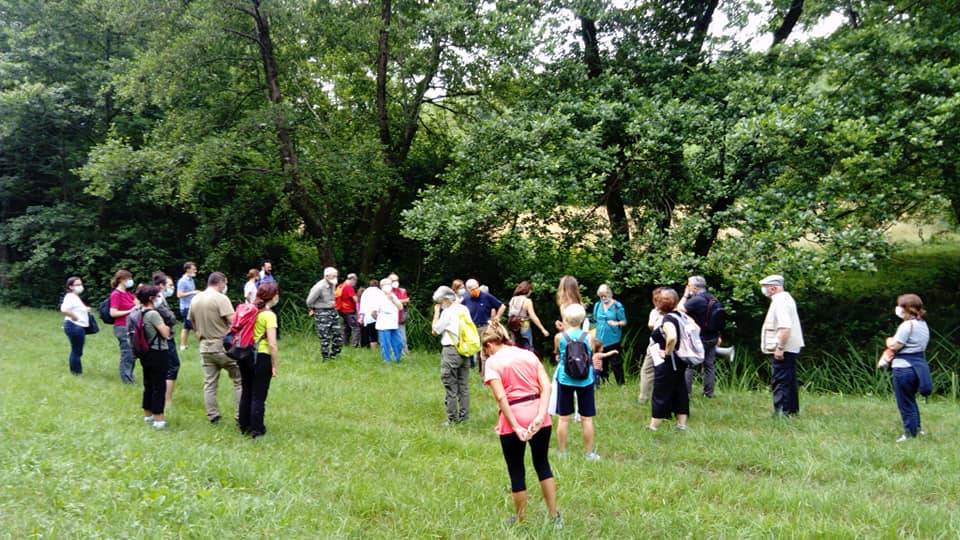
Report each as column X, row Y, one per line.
column 355, row 450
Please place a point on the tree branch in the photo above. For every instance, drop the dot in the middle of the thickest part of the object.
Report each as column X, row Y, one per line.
column 789, row 22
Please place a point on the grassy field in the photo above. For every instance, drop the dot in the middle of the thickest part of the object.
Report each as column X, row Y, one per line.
column 356, row 449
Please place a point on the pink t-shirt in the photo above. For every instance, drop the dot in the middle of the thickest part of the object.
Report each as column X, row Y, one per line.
column 122, row 301
column 518, row 371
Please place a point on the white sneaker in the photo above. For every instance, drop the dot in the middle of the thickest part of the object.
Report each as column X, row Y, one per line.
column 160, row 424
column 593, row 456
column 902, row 438
column 148, row 419
column 183, row 347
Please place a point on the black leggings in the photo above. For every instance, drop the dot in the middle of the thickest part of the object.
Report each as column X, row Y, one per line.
column 513, row 451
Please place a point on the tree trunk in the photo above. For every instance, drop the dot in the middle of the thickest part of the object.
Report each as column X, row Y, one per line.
column 789, row 21
column 383, row 56
column 293, row 186
column 698, row 33
column 613, row 197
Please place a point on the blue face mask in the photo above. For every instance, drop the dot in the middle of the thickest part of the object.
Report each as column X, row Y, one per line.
column 128, row 284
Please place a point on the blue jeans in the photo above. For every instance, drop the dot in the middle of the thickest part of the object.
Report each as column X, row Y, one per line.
column 786, row 394
column 905, row 386
column 77, row 335
column 390, row 340
column 126, row 354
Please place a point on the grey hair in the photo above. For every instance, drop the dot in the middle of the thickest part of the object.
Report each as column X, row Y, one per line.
column 604, row 288
column 698, row 281
column 444, row 293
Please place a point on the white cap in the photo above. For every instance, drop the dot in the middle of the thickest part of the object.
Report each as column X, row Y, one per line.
column 329, row 271
column 774, row 279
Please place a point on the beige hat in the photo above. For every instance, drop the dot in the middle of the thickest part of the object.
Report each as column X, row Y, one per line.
column 774, row 279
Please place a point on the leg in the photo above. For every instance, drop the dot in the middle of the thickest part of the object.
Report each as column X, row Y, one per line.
column 646, row 379
column 709, row 368
column 563, row 427
column 126, row 354
column 448, row 376
column 233, row 371
column 463, row 387
column 158, row 382
column 905, row 385
column 540, row 450
column 681, row 399
column 262, row 373
column 398, row 344
column 586, row 402
column 785, row 391
column 76, row 336
column 403, row 337
column 246, row 394
column 211, row 381
column 383, row 338
column 794, row 386
column 319, row 327
column 778, row 385
column 354, row 327
column 335, row 332
column 513, row 450
column 173, row 369
column 616, row 363
column 344, row 324
column 480, row 356
column 689, row 374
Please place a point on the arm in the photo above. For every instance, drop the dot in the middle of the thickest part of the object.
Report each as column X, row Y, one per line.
column 556, row 347
column 783, row 335
column 435, row 327
column 500, row 395
column 117, row 313
column 499, row 312
column 163, row 330
column 528, row 305
column 274, row 352
column 545, row 388
column 670, row 330
column 67, row 312
column 313, row 296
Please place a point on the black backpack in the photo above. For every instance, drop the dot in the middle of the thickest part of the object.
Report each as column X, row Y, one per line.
column 716, row 316
column 576, row 359
column 104, row 310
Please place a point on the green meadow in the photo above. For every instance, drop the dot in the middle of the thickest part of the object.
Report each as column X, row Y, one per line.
column 355, row 449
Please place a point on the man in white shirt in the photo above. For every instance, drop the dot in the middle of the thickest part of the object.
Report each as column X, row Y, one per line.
column 372, row 297
column 782, row 338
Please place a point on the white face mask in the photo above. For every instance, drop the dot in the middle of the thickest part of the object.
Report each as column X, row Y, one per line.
column 78, row 289
column 332, row 280
column 899, row 312
column 396, row 284
column 765, row 290
column 224, row 289
column 128, row 284
column 168, row 292
column 275, row 301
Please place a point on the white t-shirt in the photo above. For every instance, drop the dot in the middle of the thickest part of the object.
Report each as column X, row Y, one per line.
column 388, row 314
column 250, row 291
column 782, row 314
column 369, row 300
column 448, row 325
column 73, row 304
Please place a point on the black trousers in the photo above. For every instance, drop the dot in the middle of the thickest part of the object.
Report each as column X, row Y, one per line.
column 613, row 363
column 670, row 389
column 255, row 375
column 154, row 365
column 513, row 451
column 786, row 393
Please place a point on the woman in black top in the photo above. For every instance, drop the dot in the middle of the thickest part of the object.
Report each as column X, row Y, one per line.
column 670, row 395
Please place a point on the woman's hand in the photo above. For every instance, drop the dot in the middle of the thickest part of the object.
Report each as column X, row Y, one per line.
column 663, row 353
column 273, row 371
column 545, row 333
column 534, row 426
column 613, row 323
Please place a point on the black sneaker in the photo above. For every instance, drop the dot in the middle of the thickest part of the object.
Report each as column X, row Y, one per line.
column 215, row 420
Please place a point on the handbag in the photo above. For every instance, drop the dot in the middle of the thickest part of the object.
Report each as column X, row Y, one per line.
column 92, row 326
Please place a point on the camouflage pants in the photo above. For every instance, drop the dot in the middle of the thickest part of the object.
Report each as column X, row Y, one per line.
column 328, row 329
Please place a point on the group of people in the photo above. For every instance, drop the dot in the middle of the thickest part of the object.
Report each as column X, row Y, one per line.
column 527, row 396
column 143, row 312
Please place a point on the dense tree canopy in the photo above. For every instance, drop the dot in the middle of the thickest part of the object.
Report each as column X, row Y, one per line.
column 633, row 141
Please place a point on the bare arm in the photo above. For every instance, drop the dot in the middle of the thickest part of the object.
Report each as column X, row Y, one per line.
column 528, row 305
column 117, row 313
column 68, row 313
column 499, row 312
column 274, row 351
column 670, row 331
column 164, row 330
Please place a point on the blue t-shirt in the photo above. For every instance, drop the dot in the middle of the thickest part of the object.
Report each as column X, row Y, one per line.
column 602, row 315
column 184, row 285
column 562, row 377
column 481, row 306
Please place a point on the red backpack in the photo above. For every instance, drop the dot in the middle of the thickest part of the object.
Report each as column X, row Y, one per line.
column 138, row 334
column 238, row 343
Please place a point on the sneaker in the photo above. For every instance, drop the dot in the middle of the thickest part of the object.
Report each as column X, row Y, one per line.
column 562, row 454
column 511, row 521
column 593, row 456
column 215, row 420
column 903, row 438
column 148, row 419
column 160, row 424
column 652, row 428
column 558, row 522
column 681, row 427
column 183, row 347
